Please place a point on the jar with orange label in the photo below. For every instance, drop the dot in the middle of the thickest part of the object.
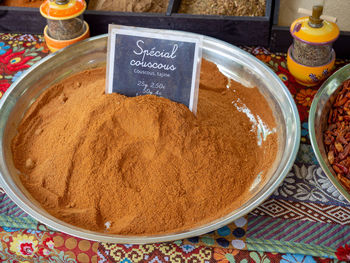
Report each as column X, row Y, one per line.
column 311, row 57
column 65, row 22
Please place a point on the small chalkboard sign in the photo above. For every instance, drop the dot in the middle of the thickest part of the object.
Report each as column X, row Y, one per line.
column 158, row 62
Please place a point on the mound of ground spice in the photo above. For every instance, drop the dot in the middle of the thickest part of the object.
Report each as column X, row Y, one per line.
column 141, row 165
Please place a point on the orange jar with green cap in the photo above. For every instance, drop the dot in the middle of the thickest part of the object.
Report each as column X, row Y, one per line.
column 311, row 57
column 65, row 23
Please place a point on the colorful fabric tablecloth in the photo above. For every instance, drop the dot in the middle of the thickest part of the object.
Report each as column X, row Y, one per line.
column 305, row 220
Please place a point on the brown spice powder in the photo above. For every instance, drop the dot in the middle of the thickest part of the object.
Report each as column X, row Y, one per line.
column 143, row 165
column 224, row 7
column 151, row 6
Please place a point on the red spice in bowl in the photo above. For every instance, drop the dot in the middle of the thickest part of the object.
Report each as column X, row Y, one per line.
column 337, row 135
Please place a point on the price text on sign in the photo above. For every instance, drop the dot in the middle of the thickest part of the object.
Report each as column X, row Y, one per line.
column 154, row 62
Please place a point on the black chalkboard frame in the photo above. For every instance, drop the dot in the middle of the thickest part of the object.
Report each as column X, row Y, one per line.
column 182, row 82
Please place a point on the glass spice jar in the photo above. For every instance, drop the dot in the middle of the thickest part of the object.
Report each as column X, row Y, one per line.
column 66, row 29
column 64, row 18
column 307, row 49
column 311, row 57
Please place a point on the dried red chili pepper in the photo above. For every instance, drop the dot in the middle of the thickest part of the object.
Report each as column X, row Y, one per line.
column 341, row 102
column 331, row 157
column 342, row 155
column 339, row 147
column 337, row 169
column 343, row 169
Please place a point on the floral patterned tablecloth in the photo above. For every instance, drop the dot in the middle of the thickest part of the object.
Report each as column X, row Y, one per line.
column 305, row 220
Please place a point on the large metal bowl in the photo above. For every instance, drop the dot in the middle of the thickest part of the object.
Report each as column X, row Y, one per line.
column 318, row 117
column 89, row 53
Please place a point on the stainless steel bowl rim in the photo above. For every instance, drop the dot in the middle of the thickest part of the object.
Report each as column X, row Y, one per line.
column 86, row 234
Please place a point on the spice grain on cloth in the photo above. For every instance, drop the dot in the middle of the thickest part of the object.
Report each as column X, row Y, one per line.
column 141, row 165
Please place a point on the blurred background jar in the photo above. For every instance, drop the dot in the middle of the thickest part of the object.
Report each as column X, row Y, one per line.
column 65, row 22
column 311, row 57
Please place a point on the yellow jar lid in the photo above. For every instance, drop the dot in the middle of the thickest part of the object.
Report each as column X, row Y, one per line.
column 73, row 8
column 301, row 30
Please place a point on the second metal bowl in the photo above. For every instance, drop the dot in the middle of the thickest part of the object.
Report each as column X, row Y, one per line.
column 318, row 117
